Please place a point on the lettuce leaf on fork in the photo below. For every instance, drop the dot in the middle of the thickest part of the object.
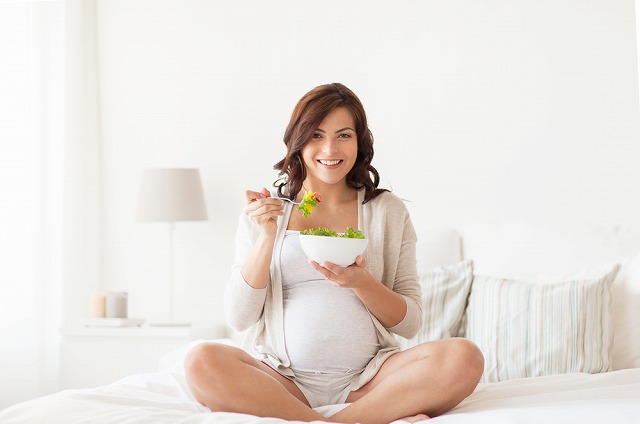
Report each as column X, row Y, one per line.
column 309, row 201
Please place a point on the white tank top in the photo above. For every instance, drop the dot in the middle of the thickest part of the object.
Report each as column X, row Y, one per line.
column 326, row 328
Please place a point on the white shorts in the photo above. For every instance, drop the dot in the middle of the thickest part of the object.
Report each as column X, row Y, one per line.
column 322, row 388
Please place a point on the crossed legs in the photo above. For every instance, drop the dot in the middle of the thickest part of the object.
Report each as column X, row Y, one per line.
column 430, row 379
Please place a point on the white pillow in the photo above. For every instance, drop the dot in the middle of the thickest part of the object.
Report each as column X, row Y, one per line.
column 445, row 290
column 626, row 306
column 528, row 330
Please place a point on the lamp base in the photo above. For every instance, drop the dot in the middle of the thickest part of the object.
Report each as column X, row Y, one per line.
column 169, row 324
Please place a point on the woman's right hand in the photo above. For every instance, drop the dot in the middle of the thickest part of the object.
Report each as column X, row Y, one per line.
column 264, row 210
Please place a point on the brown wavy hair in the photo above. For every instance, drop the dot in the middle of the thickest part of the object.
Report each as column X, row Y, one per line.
column 310, row 111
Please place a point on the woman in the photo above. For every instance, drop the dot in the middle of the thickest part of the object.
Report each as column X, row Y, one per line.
column 321, row 334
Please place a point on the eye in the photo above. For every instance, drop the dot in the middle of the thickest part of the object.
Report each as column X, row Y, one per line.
column 316, row 135
column 344, row 135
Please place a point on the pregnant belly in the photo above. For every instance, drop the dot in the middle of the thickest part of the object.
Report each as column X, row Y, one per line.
column 327, row 328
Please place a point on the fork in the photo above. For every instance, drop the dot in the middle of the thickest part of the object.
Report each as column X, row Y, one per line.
column 287, row 199
column 282, row 198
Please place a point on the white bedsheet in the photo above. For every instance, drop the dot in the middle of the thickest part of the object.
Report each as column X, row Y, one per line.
column 163, row 397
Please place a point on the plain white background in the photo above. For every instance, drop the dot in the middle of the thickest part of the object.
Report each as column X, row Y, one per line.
column 480, row 110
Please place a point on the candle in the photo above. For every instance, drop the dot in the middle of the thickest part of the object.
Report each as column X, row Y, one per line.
column 97, row 306
column 116, row 305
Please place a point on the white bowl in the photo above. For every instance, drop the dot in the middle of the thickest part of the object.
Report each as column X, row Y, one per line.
column 338, row 250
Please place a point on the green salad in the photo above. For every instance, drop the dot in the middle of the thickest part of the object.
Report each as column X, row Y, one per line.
column 328, row 232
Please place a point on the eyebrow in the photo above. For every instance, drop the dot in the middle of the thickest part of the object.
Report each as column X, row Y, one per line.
column 338, row 131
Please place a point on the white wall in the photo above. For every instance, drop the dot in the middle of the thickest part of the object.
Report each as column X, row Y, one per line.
column 481, row 111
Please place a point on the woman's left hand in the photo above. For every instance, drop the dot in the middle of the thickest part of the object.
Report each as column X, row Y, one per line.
column 386, row 305
column 352, row 276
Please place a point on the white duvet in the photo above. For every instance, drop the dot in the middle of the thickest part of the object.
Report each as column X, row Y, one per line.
column 163, row 397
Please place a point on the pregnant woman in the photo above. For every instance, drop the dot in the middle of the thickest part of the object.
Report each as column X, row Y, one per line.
column 317, row 333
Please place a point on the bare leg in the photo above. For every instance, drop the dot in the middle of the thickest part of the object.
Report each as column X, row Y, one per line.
column 225, row 378
column 430, row 379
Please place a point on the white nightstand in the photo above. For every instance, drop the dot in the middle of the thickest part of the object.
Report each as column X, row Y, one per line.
column 91, row 357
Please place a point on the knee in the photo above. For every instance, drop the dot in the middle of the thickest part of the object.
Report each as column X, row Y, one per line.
column 205, row 360
column 466, row 361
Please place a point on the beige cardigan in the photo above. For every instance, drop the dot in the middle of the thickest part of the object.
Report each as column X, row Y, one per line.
column 390, row 257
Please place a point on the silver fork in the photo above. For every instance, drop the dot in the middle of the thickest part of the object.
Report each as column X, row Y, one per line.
column 281, row 198
column 287, row 199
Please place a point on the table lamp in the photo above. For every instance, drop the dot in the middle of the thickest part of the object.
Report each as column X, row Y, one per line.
column 171, row 195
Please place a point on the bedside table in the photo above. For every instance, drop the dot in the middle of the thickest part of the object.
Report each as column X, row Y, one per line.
column 91, row 357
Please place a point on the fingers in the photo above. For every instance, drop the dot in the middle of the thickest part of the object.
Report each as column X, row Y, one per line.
column 321, row 269
column 263, row 196
column 255, row 195
column 337, row 269
column 330, row 270
column 261, row 211
column 351, row 276
column 261, row 207
column 333, row 268
column 252, row 196
column 264, row 205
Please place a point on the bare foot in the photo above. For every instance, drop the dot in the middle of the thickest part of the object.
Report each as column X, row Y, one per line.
column 415, row 418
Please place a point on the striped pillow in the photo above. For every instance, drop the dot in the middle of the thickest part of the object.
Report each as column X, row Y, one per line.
column 444, row 297
column 528, row 330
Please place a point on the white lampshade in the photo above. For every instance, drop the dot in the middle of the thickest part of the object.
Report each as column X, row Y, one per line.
column 171, row 195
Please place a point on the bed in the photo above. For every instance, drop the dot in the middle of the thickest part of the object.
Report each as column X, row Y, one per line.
column 495, row 284
column 163, row 397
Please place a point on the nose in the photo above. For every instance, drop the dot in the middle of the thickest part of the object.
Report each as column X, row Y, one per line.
column 330, row 145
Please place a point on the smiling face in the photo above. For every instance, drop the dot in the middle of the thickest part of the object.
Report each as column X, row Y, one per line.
column 332, row 151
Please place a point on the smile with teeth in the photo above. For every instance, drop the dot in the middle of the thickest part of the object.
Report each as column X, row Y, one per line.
column 329, row 162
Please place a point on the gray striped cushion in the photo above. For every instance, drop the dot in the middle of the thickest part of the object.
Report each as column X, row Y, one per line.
column 444, row 296
column 527, row 330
